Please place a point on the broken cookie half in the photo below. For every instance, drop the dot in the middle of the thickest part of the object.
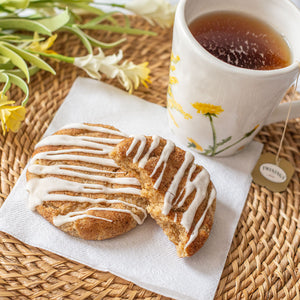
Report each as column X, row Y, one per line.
column 181, row 197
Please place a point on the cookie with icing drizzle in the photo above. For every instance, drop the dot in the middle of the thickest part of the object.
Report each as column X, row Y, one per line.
column 75, row 185
column 182, row 198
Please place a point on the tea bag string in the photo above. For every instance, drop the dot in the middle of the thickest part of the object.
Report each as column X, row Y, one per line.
column 277, row 160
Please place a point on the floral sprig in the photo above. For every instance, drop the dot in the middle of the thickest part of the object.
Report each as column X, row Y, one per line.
column 22, row 55
column 128, row 74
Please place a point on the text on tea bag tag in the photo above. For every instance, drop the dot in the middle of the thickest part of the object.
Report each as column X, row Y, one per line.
column 271, row 171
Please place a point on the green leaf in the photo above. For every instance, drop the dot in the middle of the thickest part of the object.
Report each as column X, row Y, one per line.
column 5, row 78
column 22, row 85
column 4, row 60
column 224, row 141
column 103, row 45
column 56, row 22
column 16, row 59
column 127, row 21
column 9, row 79
column 5, row 10
column 14, row 4
column 18, row 39
column 32, row 70
column 119, row 29
column 24, row 24
column 87, row 8
column 31, row 58
column 99, row 19
column 7, row 66
column 75, row 30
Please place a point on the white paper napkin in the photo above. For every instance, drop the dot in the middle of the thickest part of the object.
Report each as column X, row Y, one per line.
column 144, row 255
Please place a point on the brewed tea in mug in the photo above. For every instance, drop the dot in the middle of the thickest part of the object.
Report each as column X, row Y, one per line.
column 241, row 40
column 214, row 107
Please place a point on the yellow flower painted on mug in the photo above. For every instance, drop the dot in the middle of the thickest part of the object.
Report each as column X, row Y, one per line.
column 170, row 91
column 194, row 144
column 174, row 59
column 172, row 118
column 173, row 104
column 205, row 108
column 173, row 80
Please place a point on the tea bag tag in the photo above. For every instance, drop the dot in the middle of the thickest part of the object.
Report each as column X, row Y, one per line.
column 271, row 171
column 274, row 176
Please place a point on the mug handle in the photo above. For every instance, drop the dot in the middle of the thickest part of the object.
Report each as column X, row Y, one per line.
column 281, row 111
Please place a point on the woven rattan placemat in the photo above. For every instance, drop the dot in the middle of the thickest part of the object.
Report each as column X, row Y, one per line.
column 264, row 259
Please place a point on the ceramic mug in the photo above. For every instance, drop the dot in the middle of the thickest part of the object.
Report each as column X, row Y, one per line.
column 216, row 108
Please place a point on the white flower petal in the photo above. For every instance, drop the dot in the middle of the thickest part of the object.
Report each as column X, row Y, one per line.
column 128, row 74
column 161, row 11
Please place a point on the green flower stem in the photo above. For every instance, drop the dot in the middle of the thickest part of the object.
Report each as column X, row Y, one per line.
column 245, row 136
column 112, row 4
column 214, row 135
column 231, row 145
column 117, row 29
column 60, row 57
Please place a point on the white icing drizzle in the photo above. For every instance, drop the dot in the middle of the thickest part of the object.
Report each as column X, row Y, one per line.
column 86, row 169
column 142, row 139
column 194, row 234
column 175, row 218
column 40, row 188
column 73, row 216
column 168, row 149
column 154, row 144
column 94, row 128
column 172, row 190
column 88, row 151
column 59, row 170
column 52, row 188
column 79, row 141
column 51, row 155
column 199, row 184
column 188, row 188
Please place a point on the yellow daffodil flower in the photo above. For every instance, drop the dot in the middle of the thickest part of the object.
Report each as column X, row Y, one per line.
column 10, row 116
column 129, row 74
column 159, row 11
column 44, row 46
column 205, row 108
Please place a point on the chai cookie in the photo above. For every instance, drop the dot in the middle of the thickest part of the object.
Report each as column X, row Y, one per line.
column 182, row 199
column 76, row 186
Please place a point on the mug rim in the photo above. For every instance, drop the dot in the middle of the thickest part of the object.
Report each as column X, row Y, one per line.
column 180, row 14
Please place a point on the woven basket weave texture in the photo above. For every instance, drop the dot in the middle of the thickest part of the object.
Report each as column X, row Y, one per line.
column 264, row 259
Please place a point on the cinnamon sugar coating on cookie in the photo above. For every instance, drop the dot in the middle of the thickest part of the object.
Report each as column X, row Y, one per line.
column 182, row 199
column 75, row 185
